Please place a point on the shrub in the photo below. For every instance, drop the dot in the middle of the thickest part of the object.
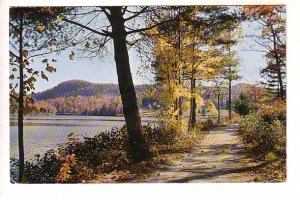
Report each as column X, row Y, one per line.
column 80, row 160
column 266, row 131
column 206, row 125
column 242, row 105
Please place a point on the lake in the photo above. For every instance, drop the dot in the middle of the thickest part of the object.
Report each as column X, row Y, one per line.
column 42, row 133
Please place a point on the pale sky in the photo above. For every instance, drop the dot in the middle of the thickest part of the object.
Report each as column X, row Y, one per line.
column 104, row 71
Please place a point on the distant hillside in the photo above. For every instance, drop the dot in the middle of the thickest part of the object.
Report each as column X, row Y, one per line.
column 207, row 93
column 83, row 88
column 238, row 88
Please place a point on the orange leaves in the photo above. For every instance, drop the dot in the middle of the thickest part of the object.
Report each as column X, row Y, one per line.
column 25, row 53
column 259, row 10
column 50, row 69
column 65, row 169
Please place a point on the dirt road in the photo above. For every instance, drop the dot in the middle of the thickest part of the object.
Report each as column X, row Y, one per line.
column 220, row 157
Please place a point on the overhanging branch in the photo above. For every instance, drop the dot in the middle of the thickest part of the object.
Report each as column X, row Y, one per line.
column 137, row 14
column 86, row 27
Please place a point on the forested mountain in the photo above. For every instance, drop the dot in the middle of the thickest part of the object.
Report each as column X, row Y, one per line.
column 85, row 98
column 82, row 88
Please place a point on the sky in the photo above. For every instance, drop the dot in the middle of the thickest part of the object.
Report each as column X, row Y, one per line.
column 103, row 70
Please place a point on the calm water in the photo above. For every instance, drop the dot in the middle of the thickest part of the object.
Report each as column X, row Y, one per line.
column 45, row 132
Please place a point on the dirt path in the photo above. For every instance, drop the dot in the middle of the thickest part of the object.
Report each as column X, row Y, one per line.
column 219, row 158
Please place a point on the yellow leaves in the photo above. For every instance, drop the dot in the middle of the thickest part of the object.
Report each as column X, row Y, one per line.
column 59, row 18
column 65, row 168
column 265, row 32
column 152, row 31
column 40, row 28
column 32, row 79
column 71, row 56
column 199, row 100
column 211, row 107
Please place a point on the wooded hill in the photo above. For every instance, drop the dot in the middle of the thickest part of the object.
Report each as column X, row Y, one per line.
column 83, row 88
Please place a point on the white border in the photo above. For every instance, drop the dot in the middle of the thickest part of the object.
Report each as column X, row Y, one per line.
column 287, row 190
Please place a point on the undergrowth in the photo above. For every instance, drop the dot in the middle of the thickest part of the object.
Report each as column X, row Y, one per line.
column 106, row 153
column 264, row 134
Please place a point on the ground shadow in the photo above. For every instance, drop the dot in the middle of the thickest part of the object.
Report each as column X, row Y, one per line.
column 204, row 176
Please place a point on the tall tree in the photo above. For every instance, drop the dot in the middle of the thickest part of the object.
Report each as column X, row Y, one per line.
column 119, row 28
column 30, row 31
column 270, row 21
column 200, row 46
column 230, row 73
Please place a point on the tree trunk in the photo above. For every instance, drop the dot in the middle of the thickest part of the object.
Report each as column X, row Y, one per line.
column 281, row 89
column 21, row 104
column 139, row 149
column 219, row 116
column 193, row 104
column 229, row 96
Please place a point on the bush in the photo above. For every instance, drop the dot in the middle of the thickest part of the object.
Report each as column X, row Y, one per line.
column 80, row 160
column 242, row 105
column 266, row 131
column 206, row 125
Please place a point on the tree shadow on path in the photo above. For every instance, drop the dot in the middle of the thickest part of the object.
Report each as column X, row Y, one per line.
column 205, row 176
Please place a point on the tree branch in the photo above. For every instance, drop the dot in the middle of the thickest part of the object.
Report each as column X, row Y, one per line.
column 13, row 26
column 106, row 13
column 86, row 27
column 124, row 10
column 14, row 97
column 148, row 28
column 137, row 14
column 11, row 53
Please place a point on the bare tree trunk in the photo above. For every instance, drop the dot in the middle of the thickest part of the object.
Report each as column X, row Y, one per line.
column 219, row 115
column 229, row 96
column 193, row 104
column 21, row 103
column 139, row 149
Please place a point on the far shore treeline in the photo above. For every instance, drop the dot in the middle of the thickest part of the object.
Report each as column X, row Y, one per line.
column 77, row 97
